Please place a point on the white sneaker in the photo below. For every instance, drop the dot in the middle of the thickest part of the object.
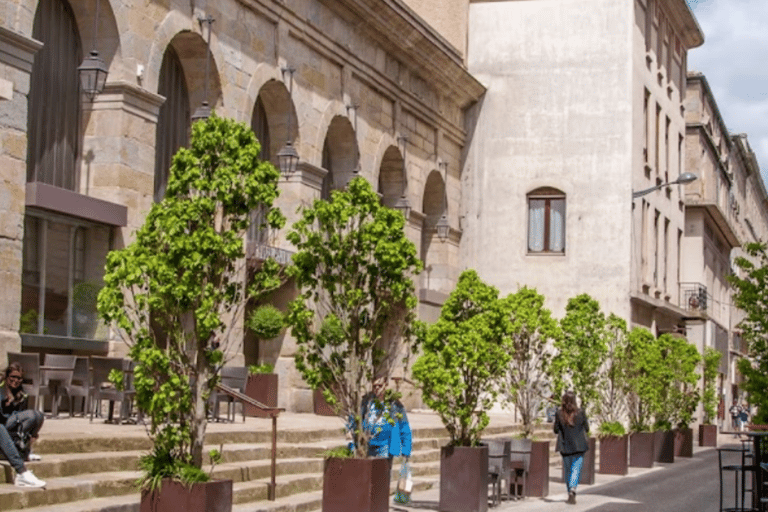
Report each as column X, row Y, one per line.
column 33, row 457
column 27, row 479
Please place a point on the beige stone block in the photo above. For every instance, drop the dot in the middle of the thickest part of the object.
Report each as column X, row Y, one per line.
column 15, row 145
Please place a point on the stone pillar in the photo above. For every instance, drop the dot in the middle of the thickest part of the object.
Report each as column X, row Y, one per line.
column 16, row 57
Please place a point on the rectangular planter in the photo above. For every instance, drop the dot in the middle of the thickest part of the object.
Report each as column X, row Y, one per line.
column 172, row 496
column 319, row 404
column 641, row 449
column 683, row 442
column 708, row 435
column 356, row 484
column 588, row 466
column 263, row 388
column 538, row 470
column 613, row 455
column 664, row 446
column 463, row 479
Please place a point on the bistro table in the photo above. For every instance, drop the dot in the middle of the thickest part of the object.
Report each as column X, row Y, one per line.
column 759, row 440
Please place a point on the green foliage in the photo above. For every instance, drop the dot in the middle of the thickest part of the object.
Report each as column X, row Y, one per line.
column 643, row 376
column 751, row 297
column 339, row 452
column 611, row 406
column 711, row 364
column 117, row 378
column 611, row 428
column 530, row 334
column 260, row 368
column 160, row 464
column 184, row 272
column 85, row 295
column 266, row 322
column 464, row 356
column 28, row 322
column 581, row 349
column 352, row 320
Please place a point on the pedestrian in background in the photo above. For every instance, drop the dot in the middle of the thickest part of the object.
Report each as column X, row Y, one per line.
column 735, row 411
column 571, row 427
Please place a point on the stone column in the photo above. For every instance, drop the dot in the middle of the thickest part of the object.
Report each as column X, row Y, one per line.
column 16, row 57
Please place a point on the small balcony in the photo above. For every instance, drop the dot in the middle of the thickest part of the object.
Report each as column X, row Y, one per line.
column 694, row 298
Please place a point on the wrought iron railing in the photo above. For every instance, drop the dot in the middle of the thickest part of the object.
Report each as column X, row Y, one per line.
column 694, row 297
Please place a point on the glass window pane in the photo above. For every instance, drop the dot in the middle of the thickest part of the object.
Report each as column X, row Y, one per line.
column 557, row 225
column 536, row 225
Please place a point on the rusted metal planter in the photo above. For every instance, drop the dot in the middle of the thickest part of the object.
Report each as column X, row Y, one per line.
column 463, row 479
column 588, row 465
column 613, row 455
column 708, row 435
column 641, row 449
column 683, row 442
column 262, row 387
column 172, row 496
column 320, row 405
column 361, row 485
column 664, row 446
column 538, row 470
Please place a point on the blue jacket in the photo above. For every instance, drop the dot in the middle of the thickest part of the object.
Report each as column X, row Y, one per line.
column 396, row 436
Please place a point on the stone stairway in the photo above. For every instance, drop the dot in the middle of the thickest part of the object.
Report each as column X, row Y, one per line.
column 98, row 473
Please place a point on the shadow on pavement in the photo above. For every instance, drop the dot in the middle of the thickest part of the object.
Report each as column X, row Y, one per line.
column 418, row 505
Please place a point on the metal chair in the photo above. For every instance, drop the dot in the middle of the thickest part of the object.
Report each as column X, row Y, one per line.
column 520, row 459
column 235, row 377
column 102, row 389
column 743, row 473
column 499, row 467
column 80, row 386
column 56, row 374
column 30, row 364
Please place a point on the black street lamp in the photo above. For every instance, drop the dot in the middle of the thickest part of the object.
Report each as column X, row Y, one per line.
column 403, row 204
column 443, row 227
column 288, row 157
column 93, row 71
column 203, row 112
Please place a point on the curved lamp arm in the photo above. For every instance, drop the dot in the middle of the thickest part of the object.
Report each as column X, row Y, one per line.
column 683, row 179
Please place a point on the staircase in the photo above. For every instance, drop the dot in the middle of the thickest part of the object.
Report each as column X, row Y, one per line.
column 93, row 467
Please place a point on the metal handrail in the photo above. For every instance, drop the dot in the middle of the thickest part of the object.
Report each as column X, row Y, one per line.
column 273, row 413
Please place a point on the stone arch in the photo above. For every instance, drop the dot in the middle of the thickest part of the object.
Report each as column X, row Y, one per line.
column 277, row 104
column 391, row 183
column 340, row 155
column 108, row 37
column 433, row 253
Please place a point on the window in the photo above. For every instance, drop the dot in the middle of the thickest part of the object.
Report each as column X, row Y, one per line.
column 546, row 221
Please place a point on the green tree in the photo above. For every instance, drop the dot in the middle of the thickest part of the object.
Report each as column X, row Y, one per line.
column 464, row 357
column 353, row 267
column 644, row 369
column 752, row 297
column 531, row 334
column 678, row 392
column 176, row 292
column 611, row 404
column 580, row 350
column 711, row 364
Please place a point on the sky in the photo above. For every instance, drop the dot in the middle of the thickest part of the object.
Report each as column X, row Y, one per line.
column 734, row 58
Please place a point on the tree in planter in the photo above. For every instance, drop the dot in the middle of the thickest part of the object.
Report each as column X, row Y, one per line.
column 464, row 357
column 678, row 394
column 176, row 292
column 266, row 322
column 580, row 350
column 353, row 267
column 644, row 369
column 531, row 334
column 711, row 363
column 611, row 406
column 752, row 298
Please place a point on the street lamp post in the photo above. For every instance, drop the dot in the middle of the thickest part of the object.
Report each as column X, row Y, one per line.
column 683, row 179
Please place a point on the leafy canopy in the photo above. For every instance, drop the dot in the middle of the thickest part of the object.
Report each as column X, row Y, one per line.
column 464, row 356
column 711, row 365
column 176, row 292
column 353, row 267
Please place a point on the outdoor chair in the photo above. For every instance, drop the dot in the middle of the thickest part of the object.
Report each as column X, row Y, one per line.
column 102, row 389
column 499, row 467
column 520, row 459
column 235, row 377
column 30, row 364
column 57, row 372
column 79, row 387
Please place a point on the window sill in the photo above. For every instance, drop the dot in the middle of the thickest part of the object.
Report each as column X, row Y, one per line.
column 543, row 253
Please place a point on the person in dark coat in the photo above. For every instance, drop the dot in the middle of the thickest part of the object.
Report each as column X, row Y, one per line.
column 571, row 427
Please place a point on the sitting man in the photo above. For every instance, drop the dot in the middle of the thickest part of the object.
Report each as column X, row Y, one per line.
column 16, row 417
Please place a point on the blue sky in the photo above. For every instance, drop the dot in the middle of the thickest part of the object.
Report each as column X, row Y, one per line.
column 734, row 58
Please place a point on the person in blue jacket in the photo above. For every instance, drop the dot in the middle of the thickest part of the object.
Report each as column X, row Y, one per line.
column 388, row 438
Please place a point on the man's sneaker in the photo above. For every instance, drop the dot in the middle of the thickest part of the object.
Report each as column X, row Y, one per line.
column 33, row 457
column 27, row 479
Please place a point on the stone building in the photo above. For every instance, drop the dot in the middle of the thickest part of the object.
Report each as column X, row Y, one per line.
column 584, row 107
column 357, row 86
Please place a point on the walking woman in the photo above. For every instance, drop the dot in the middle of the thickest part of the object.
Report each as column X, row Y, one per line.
column 16, row 417
column 571, row 427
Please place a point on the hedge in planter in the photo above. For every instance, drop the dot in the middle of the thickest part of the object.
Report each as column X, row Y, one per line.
column 710, row 364
column 265, row 322
column 352, row 319
column 464, row 357
column 184, row 274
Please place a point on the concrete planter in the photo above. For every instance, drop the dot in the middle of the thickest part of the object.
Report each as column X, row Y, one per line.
column 664, row 446
column 708, row 435
column 463, row 479
column 538, row 470
column 613, row 455
column 683, row 442
column 641, row 449
column 262, row 387
column 172, row 496
column 361, row 485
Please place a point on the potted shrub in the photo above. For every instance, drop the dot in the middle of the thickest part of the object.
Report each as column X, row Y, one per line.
column 611, row 407
column 711, row 364
column 464, row 356
column 527, row 383
column 175, row 294
column 266, row 322
column 580, row 352
column 642, row 371
column 353, row 268
column 85, row 316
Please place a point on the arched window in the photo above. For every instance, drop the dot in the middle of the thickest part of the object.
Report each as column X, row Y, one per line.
column 54, row 98
column 260, row 127
column 173, row 120
column 546, row 221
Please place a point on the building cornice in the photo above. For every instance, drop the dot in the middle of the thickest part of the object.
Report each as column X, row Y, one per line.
column 690, row 31
column 17, row 50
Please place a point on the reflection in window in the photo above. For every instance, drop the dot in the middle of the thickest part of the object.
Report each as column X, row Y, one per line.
column 546, row 221
column 63, row 267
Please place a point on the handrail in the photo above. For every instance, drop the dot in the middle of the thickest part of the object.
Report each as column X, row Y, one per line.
column 273, row 413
